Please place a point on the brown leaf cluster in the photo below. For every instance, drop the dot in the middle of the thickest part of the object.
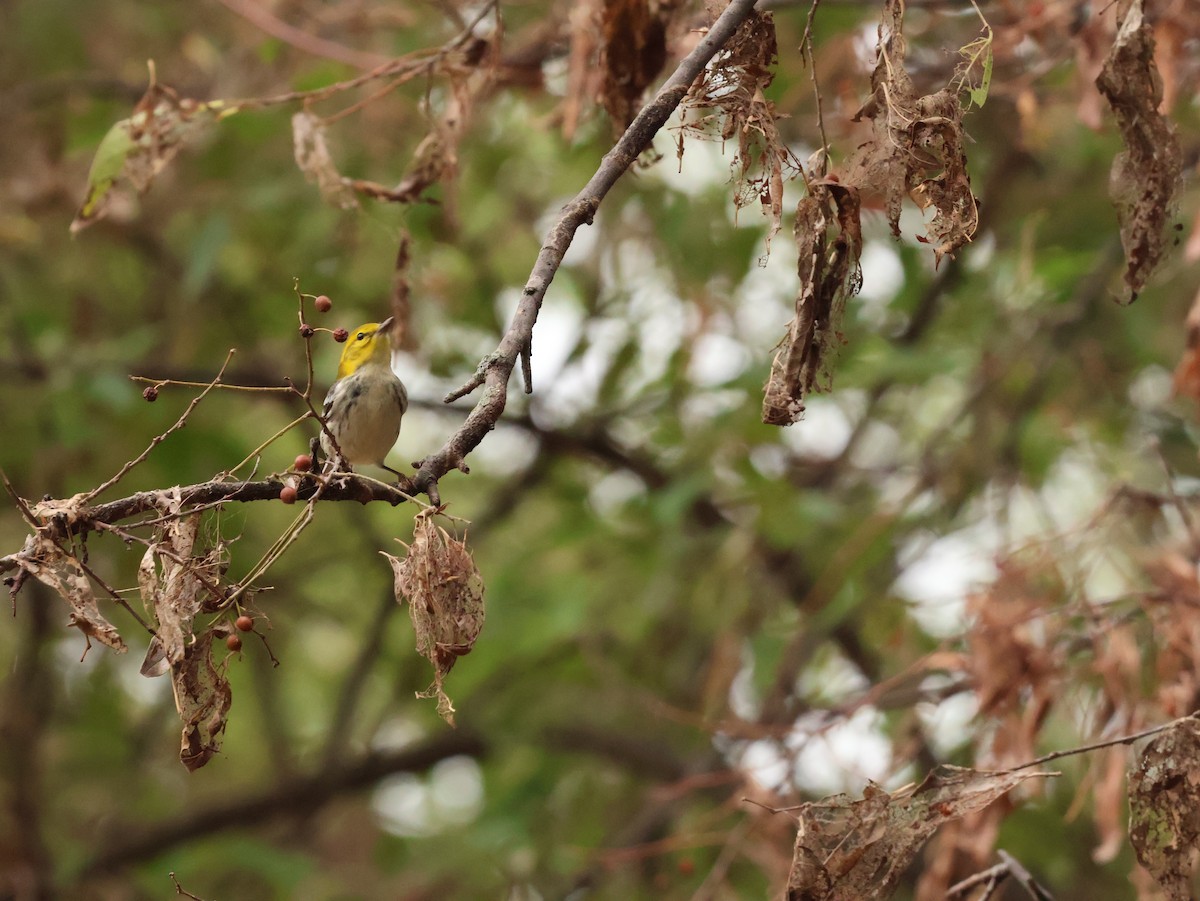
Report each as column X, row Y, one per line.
column 828, row 247
column 62, row 573
column 918, row 149
column 177, row 582
column 1164, row 808
column 1016, row 658
column 633, row 51
column 855, row 850
column 730, row 104
column 1174, row 613
column 444, row 590
column 1146, row 175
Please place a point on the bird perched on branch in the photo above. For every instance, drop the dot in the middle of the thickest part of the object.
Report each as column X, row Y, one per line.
column 364, row 406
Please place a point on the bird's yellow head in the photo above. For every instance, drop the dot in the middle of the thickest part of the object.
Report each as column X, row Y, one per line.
column 367, row 344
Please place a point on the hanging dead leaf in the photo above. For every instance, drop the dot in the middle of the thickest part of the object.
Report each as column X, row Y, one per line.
column 1164, row 808
column 50, row 565
column 733, row 88
column 828, row 247
column 849, row 850
column 202, row 697
column 186, row 582
column 316, row 162
column 1146, row 175
column 633, row 52
column 137, row 149
column 444, row 591
column 918, row 147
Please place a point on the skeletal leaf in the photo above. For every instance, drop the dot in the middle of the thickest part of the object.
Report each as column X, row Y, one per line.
column 848, row 850
column 46, row 562
column 316, row 162
column 444, row 591
column 1145, row 177
column 919, row 147
column 828, row 246
column 1164, row 808
column 203, row 698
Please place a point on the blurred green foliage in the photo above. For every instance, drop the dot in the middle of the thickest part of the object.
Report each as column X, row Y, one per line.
column 671, row 585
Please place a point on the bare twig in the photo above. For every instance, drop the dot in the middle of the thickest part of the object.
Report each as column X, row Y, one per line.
column 262, row 19
column 345, row 487
column 180, row 890
column 495, row 369
column 159, row 439
column 1109, row 743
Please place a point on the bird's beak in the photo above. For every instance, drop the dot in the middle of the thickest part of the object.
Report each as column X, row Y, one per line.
column 386, row 325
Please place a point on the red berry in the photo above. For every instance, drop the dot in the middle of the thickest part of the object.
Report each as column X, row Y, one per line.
column 323, row 304
column 151, row 393
column 303, row 463
column 244, row 623
column 340, row 335
column 234, row 643
column 288, row 494
column 306, row 330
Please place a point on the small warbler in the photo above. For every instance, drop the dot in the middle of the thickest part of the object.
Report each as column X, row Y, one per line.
column 364, row 406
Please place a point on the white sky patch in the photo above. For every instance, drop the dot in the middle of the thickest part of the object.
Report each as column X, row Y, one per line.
column 843, row 756
column 939, row 575
column 506, row 451
column 766, row 301
column 702, row 168
column 947, row 722
column 823, row 432
column 883, row 277
column 451, row 795
column 1151, row 388
column 716, row 360
column 613, row 491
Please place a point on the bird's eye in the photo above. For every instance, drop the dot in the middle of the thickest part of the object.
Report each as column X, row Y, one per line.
column 361, row 335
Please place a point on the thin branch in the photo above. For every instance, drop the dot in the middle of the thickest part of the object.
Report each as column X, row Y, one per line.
column 263, row 20
column 340, row 487
column 495, row 369
column 1100, row 745
column 159, row 439
column 298, row 796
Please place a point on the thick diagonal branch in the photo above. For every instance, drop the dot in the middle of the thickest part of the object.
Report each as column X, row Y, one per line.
column 494, row 371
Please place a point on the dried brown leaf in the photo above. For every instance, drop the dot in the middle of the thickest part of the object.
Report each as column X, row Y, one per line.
column 1146, row 175
column 849, row 850
column 316, row 162
column 47, row 562
column 1164, row 808
column 732, row 88
column 1110, row 804
column 918, row 147
column 633, row 52
column 828, row 247
column 175, row 584
column 202, row 697
column 444, row 591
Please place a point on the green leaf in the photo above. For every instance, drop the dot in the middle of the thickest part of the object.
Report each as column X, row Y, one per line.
column 979, row 94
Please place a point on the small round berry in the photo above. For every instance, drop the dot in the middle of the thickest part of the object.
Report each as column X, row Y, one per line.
column 340, row 335
column 323, row 304
column 151, row 393
column 234, row 643
column 244, row 623
column 306, row 330
column 303, row 463
column 288, row 494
